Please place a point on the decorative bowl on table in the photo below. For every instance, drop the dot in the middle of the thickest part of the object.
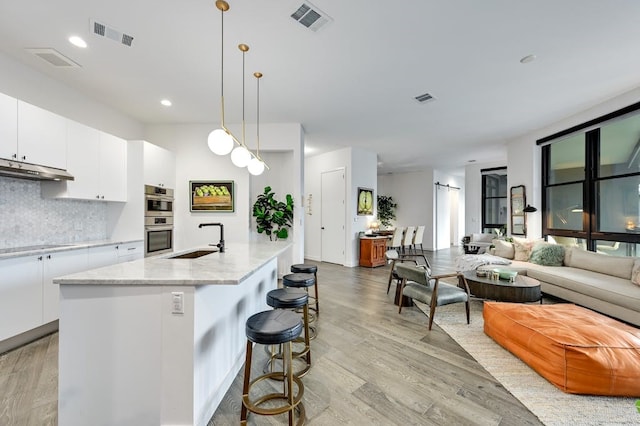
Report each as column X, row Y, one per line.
column 506, row 274
column 481, row 273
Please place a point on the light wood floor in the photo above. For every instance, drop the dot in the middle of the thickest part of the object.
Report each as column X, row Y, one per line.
column 370, row 366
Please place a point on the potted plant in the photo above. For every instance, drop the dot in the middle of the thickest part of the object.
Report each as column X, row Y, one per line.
column 386, row 210
column 273, row 217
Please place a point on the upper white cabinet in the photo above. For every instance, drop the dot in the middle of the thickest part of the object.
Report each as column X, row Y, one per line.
column 42, row 136
column 97, row 161
column 159, row 166
column 113, row 168
column 8, row 127
column 83, row 156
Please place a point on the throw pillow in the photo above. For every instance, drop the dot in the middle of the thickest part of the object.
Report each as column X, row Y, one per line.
column 635, row 273
column 503, row 248
column 547, row 254
column 522, row 250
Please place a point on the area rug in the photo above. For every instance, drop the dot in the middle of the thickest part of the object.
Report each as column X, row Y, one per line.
column 548, row 403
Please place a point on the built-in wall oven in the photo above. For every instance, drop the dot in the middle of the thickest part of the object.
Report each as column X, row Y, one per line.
column 158, row 220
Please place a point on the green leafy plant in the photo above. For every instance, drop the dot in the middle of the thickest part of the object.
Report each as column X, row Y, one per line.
column 386, row 210
column 273, row 217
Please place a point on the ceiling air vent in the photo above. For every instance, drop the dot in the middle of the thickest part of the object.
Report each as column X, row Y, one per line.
column 54, row 57
column 311, row 17
column 104, row 30
column 424, row 98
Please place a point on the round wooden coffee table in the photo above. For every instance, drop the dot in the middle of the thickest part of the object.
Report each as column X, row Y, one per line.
column 522, row 290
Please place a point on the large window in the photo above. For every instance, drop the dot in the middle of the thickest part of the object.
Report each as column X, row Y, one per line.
column 591, row 182
column 494, row 199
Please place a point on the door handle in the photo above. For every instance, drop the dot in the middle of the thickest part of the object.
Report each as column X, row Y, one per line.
column 322, row 227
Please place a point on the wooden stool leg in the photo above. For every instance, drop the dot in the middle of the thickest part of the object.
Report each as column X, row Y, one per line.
column 245, row 386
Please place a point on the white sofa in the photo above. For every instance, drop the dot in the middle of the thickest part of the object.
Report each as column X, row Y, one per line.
column 607, row 284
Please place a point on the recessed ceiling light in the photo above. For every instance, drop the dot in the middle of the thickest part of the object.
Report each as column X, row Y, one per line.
column 527, row 59
column 166, row 102
column 78, row 42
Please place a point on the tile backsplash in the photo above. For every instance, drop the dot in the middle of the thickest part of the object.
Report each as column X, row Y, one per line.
column 27, row 219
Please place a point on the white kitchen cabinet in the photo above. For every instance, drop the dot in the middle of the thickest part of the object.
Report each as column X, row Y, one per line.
column 20, row 295
column 130, row 251
column 97, row 161
column 103, row 256
column 8, row 127
column 159, row 166
column 55, row 265
column 113, row 168
column 42, row 136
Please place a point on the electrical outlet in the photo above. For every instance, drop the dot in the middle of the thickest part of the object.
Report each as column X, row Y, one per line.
column 177, row 302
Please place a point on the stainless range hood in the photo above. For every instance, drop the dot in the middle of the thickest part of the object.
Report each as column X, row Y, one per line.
column 17, row 169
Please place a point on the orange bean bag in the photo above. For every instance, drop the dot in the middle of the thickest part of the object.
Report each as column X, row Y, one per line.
column 578, row 350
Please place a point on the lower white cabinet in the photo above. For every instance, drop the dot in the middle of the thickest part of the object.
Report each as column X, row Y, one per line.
column 28, row 296
column 20, row 295
column 130, row 251
column 115, row 253
column 55, row 265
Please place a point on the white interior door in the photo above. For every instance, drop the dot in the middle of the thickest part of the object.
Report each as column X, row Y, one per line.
column 443, row 218
column 453, row 201
column 333, row 216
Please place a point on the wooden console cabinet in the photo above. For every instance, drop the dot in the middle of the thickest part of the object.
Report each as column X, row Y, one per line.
column 372, row 251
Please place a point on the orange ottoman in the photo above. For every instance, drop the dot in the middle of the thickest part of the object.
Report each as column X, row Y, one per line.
column 578, row 350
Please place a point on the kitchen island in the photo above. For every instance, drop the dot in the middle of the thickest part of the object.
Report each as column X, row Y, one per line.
column 128, row 356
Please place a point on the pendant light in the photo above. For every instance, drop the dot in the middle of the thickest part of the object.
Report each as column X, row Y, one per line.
column 241, row 156
column 256, row 165
column 220, row 140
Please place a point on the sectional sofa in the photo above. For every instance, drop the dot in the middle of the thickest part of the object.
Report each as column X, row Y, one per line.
column 606, row 284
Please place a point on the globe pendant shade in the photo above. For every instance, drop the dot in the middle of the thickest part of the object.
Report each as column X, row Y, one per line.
column 256, row 167
column 220, row 142
column 240, row 156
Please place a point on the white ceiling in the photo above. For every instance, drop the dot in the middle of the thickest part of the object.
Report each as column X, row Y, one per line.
column 352, row 83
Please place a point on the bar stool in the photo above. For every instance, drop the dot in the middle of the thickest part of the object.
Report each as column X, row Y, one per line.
column 292, row 298
column 302, row 280
column 307, row 268
column 273, row 328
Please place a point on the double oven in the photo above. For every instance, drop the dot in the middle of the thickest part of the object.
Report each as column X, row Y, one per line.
column 158, row 220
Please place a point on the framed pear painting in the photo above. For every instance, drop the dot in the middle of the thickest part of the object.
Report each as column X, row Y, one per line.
column 365, row 201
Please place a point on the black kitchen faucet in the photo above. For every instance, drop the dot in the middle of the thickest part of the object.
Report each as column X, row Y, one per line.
column 220, row 245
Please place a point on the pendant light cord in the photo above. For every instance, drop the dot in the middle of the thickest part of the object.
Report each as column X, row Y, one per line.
column 222, row 67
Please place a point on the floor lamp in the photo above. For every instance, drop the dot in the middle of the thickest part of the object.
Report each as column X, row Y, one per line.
column 528, row 209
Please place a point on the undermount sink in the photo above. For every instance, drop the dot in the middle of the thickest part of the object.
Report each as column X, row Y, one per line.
column 194, row 254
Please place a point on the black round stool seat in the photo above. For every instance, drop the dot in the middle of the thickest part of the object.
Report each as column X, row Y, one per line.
column 273, row 327
column 287, row 298
column 305, row 268
column 298, row 280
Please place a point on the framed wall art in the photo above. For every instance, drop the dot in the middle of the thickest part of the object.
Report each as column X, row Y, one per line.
column 211, row 196
column 365, row 201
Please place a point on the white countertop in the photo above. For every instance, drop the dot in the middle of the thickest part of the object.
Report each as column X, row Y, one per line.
column 7, row 253
column 231, row 267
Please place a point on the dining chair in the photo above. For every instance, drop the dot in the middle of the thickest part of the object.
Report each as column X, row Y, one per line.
column 417, row 238
column 408, row 238
column 396, row 240
column 394, row 257
column 417, row 283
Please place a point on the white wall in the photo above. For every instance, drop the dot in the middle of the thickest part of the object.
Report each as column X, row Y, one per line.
column 31, row 86
column 360, row 168
column 414, row 194
column 194, row 161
